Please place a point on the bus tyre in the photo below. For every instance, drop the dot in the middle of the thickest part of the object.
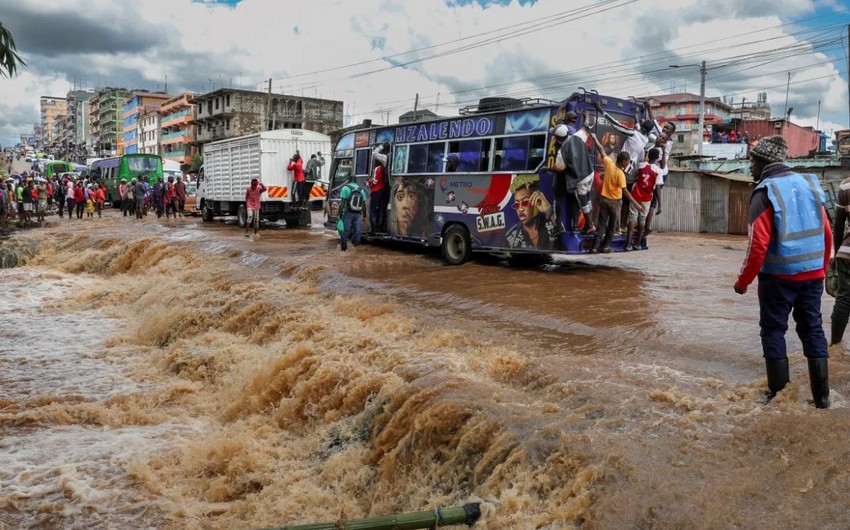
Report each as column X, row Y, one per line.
column 242, row 216
column 456, row 246
column 206, row 214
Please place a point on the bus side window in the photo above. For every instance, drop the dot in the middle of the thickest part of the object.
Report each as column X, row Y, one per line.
column 474, row 155
column 436, row 153
column 400, row 160
column 536, row 151
column 417, row 161
column 514, row 153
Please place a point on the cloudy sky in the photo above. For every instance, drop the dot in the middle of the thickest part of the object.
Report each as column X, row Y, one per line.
column 377, row 55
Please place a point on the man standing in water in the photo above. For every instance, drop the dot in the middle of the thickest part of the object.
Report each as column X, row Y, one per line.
column 252, row 204
column 841, row 243
column 789, row 247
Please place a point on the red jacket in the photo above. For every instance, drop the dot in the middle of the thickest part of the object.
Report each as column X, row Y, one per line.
column 379, row 179
column 297, row 167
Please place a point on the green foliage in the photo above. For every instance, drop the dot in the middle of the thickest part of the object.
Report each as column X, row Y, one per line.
column 197, row 162
column 9, row 59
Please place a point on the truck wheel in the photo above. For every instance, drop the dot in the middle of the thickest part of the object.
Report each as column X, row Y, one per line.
column 456, row 246
column 242, row 216
column 206, row 213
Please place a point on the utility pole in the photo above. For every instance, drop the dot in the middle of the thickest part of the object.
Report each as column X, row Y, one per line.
column 817, row 124
column 416, row 105
column 701, row 125
column 787, row 86
column 268, row 107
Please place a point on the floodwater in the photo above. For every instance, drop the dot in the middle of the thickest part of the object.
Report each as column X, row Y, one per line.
column 177, row 375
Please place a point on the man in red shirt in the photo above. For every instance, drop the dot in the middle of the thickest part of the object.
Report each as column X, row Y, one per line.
column 789, row 248
column 380, row 191
column 252, row 203
column 296, row 165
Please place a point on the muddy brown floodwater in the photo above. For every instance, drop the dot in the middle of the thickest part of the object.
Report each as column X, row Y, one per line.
column 177, row 375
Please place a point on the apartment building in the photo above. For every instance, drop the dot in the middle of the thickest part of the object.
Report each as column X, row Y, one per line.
column 53, row 109
column 148, row 133
column 230, row 112
column 683, row 110
column 139, row 102
column 177, row 130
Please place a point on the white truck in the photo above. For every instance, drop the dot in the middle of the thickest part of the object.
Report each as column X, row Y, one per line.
column 229, row 166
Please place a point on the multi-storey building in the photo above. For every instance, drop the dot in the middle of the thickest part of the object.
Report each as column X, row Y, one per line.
column 683, row 110
column 107, row 113
column 753, row 110
column 52, row 109
column 140, row 101
column 148, row 133
column 230, row 112
column 72, row 123
column 177, row 131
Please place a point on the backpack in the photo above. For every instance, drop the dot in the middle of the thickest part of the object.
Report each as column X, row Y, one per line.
column 355, row 200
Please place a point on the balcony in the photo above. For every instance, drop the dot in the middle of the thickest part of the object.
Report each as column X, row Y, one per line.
column 179, row 134
column 174, row 154
column 185, row 112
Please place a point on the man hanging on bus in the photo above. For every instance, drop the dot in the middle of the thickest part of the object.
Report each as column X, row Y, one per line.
column 577, row 165
column 380, row 192
column 642, row 191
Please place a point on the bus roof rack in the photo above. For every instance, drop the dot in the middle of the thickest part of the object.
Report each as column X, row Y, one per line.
column 493, row 104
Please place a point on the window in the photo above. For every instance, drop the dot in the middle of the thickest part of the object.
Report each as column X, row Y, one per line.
column 519, row 153
column 216, row 103
column 426, row 158
column 362, row 162
column 474, row 155
column 227, row 100
column 227, row 123
column 681, row 138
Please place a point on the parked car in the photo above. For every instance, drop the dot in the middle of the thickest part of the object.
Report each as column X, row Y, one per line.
column 191, row 206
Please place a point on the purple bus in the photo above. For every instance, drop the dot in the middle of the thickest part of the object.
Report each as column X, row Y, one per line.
column 483, row 181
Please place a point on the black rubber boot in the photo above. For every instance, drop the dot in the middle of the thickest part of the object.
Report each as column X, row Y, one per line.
column 819, row 381
column 777, row 376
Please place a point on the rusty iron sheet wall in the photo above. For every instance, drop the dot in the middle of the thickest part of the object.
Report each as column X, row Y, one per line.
column 680, row 206
column 714, row 200
column 739, row 206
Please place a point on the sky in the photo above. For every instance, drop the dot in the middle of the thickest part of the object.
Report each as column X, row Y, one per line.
column 377, row 55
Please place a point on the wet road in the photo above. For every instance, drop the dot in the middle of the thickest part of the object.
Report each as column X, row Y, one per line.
column 198, row 379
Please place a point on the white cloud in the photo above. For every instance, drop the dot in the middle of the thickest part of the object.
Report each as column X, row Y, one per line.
column 198, row 44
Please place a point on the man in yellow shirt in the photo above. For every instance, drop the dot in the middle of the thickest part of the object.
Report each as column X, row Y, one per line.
column 611, row 202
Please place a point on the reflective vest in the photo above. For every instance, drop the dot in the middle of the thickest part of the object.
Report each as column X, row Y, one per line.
column 797, row 244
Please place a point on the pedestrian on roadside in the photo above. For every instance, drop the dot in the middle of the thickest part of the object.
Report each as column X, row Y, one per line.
column 70, row 193
column 139, row 193
column 180, row 195
column 43, row 196
column 353, row 197
column 158, row 197
column 79, row 199
column 790, row 243
column 127, row 196
column 99, row 199
column 252, row 203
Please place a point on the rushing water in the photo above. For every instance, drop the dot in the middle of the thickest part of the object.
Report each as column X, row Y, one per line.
column 178, row 375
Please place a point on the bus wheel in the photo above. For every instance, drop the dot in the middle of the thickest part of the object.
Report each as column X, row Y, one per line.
column 457, row 248
column 242, row 216
column 206, row 213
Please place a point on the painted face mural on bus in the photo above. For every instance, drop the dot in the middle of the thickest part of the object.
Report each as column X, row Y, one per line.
column 412, row 207
column 537, row 225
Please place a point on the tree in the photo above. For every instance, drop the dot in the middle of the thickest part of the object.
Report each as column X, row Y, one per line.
column 197, row 162
column 9, row 59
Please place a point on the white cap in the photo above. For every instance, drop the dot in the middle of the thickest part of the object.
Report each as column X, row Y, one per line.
column 561, row 131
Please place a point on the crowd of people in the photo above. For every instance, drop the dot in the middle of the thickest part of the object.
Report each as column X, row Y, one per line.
column 27, row 198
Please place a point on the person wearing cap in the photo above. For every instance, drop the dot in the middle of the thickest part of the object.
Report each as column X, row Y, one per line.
column 252, row 202
column 574, row 167
column 379, row 190
column 789, row 247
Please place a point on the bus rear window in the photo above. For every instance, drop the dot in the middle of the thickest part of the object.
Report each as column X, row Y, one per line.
column 426, row 158
column 142, row 164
